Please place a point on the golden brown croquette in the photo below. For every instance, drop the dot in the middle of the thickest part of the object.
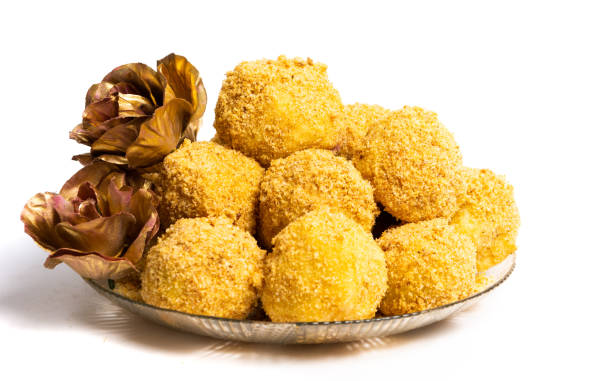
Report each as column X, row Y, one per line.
column 429, row 264
column 268, row 109
column 489, row 216
column 205, row 266
column 357, row 119
column 324, row 267
column 414, row 165
column 205, row 179
column 307, row 180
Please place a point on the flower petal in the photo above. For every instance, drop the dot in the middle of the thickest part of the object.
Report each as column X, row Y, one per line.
column 92, row 173
column 85, row 133
column 123, row 88
column 83, row 158
column 118, row 195
column 39, row 219
column 102, row 110
column 118, row 138
column 105, row 235
column 139, row 75
column 160, row 135
column 113, row 159
column 182, row 80
column 142, row 206
column 91, row 265
column 98, row 92
column 132, row 105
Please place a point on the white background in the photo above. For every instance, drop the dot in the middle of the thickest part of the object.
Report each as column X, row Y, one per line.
column 526, row 87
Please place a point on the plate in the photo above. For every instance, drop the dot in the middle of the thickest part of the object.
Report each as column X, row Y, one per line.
column 256, row 331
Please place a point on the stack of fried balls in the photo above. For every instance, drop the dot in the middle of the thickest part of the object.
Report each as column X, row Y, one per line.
column 304, row 209
column 280, row 207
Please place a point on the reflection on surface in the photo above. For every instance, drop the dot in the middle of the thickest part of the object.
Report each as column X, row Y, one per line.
column 35, row 298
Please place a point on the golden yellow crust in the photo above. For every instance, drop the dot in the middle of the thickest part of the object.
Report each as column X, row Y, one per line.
column 357, row 119
column 414, row 165
column 205, row 179
column 204, row 266
column 129, row 287
column 429, row 263
column 489, row 216
column 307, row 180
column 324, row 267
column 268, row 109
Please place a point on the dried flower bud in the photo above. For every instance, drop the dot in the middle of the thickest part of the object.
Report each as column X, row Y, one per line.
column 99, row 224
column 136, row 116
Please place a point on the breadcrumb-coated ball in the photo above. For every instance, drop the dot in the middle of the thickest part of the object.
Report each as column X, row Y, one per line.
column 429, row 263
column 307, row 180
column 357, row 119
column 268, row 109
column 324, row 267
column 489, row 215
column 414, row 165
column 205, row 266
column 203, row 179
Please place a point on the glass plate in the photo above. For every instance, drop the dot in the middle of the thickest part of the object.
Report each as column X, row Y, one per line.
column 303, row 333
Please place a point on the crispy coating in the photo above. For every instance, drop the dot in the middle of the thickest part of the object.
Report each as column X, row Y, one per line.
column 268, row 109
column 414, row 165
column 307, row 180
column 489, row 216
column 129, row 287
column 430, row 264
column 357, row 119
column 205, row 266
column 203, row 179
column 324, row 267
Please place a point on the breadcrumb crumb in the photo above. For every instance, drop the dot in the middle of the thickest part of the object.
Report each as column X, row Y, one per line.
column 357, row 119
column 489, row 216
column 268, row 109
column 324, row 267
column 205, row 179
column 204, row 266
column 430, row 264
column 307, row 180
column 414, row 165
column 129, row 287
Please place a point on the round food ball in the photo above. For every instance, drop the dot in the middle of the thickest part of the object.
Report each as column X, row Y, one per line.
column 307, row 180
column 204, row 266
column 324, row 267
column 269, row 109
column 489, row 216
column 414, row 165
column 357, row 119
column 430, row 264
column 204, row 179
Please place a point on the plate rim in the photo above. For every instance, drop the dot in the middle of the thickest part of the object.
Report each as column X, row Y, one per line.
column 113, row 294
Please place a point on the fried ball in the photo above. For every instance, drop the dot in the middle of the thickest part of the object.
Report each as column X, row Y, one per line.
column 489, row 216
column 307, row 180
column 414, row 165
column 205, row 179
column 205, row 266
column 430, row 264
column 357, row 119
column 269, row 109
column 324, row 267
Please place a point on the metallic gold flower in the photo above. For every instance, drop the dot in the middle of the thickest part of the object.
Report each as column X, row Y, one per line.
column 136, row 115
column 99, row 224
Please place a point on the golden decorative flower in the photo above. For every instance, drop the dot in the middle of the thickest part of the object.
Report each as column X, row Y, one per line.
column 99, row 224
column 136, row 115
